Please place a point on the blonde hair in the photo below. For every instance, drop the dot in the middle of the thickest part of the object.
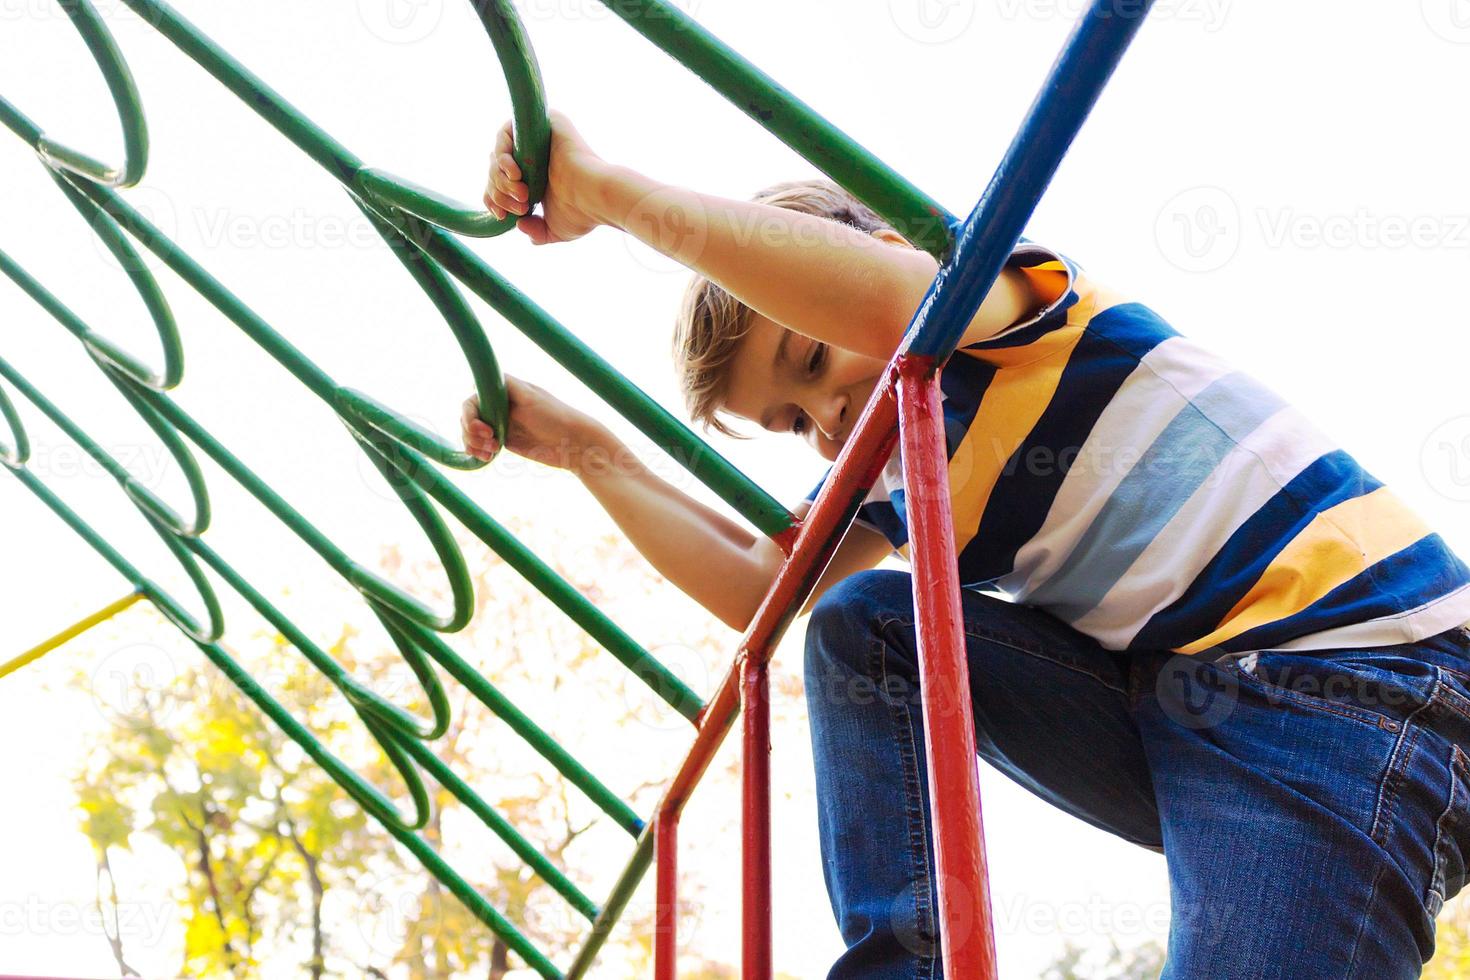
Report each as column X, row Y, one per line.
column 711, row 322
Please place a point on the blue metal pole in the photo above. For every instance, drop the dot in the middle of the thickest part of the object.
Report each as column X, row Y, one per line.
column 984, row 241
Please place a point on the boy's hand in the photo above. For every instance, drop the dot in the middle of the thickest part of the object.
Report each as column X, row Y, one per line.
column 542, row 427
column 574, row 173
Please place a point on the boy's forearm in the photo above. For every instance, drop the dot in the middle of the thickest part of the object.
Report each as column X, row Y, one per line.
column 821, row 278
column 711, row 558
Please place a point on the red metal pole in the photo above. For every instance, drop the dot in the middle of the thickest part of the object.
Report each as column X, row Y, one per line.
column 755, row 959
column 810, row 548
column 666, row 913
column 968, row 941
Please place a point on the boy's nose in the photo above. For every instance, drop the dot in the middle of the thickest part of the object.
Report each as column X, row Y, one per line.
column 832, row 425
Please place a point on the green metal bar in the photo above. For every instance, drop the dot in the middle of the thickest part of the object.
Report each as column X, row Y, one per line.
column 912, row 213
column 617, row 903
column 489, row 695
column 476, row 903
column 532, row 135
column 563, row 594
column 125, row 100
column 141, row 494
column 502, row 828
column 404, row 734
column 651, row 418
column 166, row 603
column 18, row 454
column 506, row 34
column 426, row 855
column 144, row 284
column 662, row 681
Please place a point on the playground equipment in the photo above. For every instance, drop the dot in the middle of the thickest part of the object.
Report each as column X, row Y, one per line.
column 420, row 226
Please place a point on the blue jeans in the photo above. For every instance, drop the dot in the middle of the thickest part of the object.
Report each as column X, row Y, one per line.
column 1313, row 807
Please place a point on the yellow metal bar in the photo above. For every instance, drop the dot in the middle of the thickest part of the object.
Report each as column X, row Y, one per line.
column 76, row 629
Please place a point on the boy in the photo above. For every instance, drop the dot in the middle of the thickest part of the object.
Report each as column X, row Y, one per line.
column 1165, row 525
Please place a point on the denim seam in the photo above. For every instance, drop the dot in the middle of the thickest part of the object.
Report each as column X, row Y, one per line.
column 1388, row 789
column 1363, row 921
column 913, row 796
column 1437, row 884
column 1448, row 696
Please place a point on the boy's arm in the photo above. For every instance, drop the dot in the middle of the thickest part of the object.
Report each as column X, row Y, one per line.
column 861, row 548
column 820, row 278
column 718, row 563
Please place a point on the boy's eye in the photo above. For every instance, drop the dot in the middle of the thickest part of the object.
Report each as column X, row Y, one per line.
column 817, row 357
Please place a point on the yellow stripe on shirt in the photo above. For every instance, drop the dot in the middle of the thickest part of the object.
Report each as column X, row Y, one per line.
column 1023, row 387
column 1025, row 382
column 1335, row 547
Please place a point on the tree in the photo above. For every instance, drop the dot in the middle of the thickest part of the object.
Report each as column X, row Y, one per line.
column 266, row 840
column 1451, row 960
column 1142, row 962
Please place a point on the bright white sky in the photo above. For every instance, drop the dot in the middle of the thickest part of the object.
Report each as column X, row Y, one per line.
column 1280, row 183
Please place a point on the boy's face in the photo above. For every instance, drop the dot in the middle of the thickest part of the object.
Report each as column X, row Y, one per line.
column 786, row 382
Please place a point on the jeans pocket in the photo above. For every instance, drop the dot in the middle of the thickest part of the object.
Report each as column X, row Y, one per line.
column 1349, row 687
column 1451, row 836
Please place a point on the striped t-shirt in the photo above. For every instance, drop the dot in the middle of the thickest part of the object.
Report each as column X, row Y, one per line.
column 1113, row 473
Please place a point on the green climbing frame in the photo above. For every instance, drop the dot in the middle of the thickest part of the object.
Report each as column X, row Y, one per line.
column 420, row 227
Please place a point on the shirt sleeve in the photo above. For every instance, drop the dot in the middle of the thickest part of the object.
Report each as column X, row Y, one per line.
column 1056, row 280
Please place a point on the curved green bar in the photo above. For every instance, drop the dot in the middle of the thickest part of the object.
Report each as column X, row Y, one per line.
column 503, row 829
column 119, row 79
column 144, row 283
column 632, row 403
column 656, row 422
column 141, row 495
column 462, row 322
column 532, row 136
column 148, row 289
column 564, row 595
column 14, row 456
column 523, row 76
column 325, row 388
